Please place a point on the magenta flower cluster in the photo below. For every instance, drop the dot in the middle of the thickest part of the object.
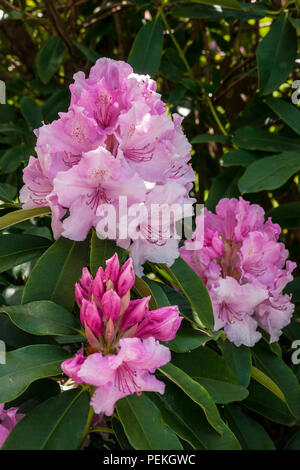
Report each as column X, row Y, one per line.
column 123, row 335
column 245, row 269
column 8, row 419
column 115, row 140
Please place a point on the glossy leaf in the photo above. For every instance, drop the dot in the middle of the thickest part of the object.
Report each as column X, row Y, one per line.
column 102, row 250
column 24, row 366
column 32, row 112
column 42, row 318
column 23, row 214
column 146, row 50
column 54, row 275
column 288, row 112
column 19, row 248
column 49, row 58
column 144, row 426
column 56, row 424
column 15, row 156
column 286, row 215
column 276, row 55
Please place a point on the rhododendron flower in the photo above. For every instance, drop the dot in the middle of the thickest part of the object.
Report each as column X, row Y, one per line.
column 8, row 419
column 115, row 140
column 245, row 269
column 123, row 335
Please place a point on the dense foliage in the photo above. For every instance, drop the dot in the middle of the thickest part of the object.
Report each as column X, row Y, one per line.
column 230, row 68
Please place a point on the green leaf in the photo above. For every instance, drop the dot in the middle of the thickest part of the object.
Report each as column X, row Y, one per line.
column 276, row 55
column 144, row 426
column 269, row 172
column 102, row 250
column 196, row 392
column 188, row 339
column 238, row 158
column 16, row 338
column 14, row 157
column 281, row 374
column 58, row 102
column 49, row 58
column 42, row 318
column 54, row 275
column 90, row 54
column 234, row 4
column 239, row 359
column 188, row 420
column 19, row 248
column 293, row 288
column 204, row 138
column 191, row 285
column 294, row 441
column 144, row 291
column 146, row 50
column 264, row 402
column 250, row 434
column 31, row 111
column 288, row 112
column 24, row 366
column 224, row 185
column 18, row 216
column 286, row 215
column 210, row 370
column 251, row 138
column 56, row 424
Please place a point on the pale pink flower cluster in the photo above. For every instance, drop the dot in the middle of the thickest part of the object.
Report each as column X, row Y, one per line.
column 115, row 140
column 245, row 269
column 8, row 419
column 123, row 335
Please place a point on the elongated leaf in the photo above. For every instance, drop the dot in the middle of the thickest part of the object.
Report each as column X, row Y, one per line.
column 269, row 172
column 288, row 112
column 189, row 422
column 15, row 156
column 210, row 370
column 286, row 215
column 264, row 402
column 146, row 51
column 23, row 214
column 144, row 291
column 276, row 55
column 54, row 275
column 224, row 185
column 251, row 435
column 56, row 424
column 16, row 249
column 239, row 158
column 204, row 138
column 251, row 138
column 42, row 318
column 144, row 426
column 24, row 366
column 90, row 54
column 31, row 111
column 196, row 392
column 191, row 285
column 294, row 441
column 239, row 359
column 234, row 4
column 102, row 250
column 49, row 58
column 281, row 374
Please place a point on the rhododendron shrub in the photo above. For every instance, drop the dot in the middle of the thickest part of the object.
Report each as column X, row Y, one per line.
column 245, row 269
column 149, row 226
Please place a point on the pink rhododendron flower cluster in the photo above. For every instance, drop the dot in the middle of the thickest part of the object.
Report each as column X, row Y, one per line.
column 8, row 419
column 116, row 139
column 245, row 269
column 123, row 335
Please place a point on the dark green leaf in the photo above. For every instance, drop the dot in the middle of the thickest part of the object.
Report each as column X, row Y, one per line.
column 24, row 366
column 18, row 216
column 251, row 138
column 15, row 156
column 250, row 434
column 54, row 275
column 144, row 426
column 238, row 158
column 19, row 248
column 32, row 112
column 42, row 318
column 286, row 215
column 90, row 54
column 56, row 424
column 269, row 172
column 276, row 55
column 239, row 359
column 146, row 50
column 288, row 112
column 204, row 138
column 49, row 58
column 101, row 251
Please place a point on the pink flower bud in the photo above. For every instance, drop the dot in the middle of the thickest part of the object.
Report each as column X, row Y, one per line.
column 89, row 315
column 162, row 324
column 135, row 313
column 111, row 305
column 72, row 366
column 126, row 278
column 112, row 268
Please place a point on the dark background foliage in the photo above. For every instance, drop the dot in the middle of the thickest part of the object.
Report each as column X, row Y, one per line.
column 229, row 67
